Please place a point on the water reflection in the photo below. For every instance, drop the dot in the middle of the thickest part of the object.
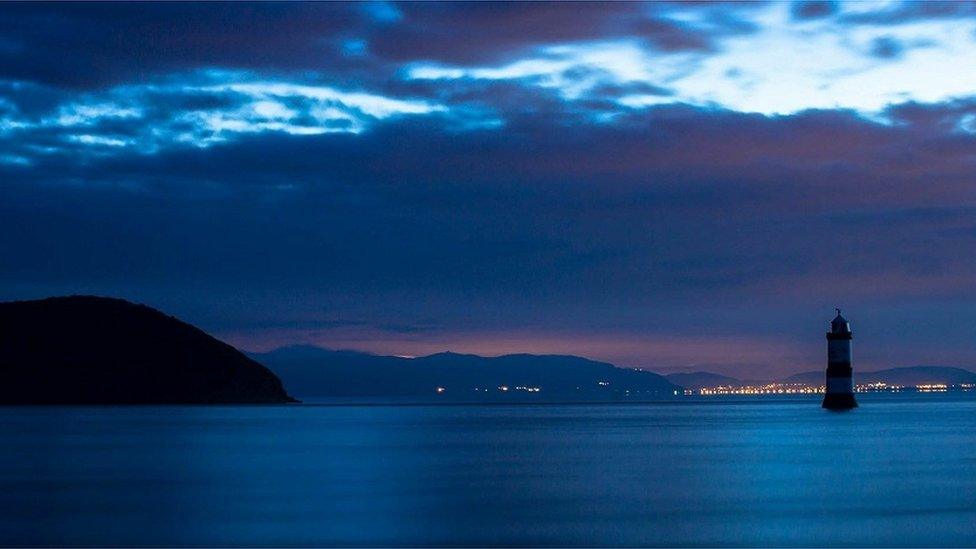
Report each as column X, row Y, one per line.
column 895, row 472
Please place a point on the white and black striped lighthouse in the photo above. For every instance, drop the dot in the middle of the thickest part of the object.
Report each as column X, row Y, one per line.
column 840, row 382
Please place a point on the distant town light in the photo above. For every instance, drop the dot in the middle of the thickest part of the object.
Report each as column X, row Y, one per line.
column 804, row 389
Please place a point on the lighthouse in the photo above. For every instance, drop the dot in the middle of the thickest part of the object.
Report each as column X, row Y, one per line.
column 840, row 383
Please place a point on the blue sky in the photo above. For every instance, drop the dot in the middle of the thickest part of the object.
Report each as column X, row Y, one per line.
column 669, row 185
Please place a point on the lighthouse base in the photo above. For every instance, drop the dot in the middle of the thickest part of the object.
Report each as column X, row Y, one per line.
column 839, row 401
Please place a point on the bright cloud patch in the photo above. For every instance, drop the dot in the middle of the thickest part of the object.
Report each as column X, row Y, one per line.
column 785, row 66
column 226, row 104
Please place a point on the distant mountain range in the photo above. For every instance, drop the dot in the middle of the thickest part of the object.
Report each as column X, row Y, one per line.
column 310, row 372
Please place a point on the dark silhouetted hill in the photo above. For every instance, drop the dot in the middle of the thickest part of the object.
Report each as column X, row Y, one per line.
column 315, row 372
column 96, row 350
column 698, row 380
column 912, row 375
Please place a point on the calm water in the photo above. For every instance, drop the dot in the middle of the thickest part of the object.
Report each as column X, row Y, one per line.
column 894, row 472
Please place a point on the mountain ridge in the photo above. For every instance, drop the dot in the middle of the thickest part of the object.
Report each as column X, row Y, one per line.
column 319, row 372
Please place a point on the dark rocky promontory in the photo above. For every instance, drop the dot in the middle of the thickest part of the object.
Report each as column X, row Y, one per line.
column 97, row 350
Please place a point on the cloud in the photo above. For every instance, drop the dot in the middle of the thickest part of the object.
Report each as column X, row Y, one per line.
column 766, row 58
column 92, row 45
column 492, row 32
column 813, row 10
column 198, row 109
column 664, row 174
column 901, row 12
column 886, row 47
column 778, row 66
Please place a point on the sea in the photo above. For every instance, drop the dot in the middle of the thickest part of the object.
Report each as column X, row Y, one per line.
column 898, row 471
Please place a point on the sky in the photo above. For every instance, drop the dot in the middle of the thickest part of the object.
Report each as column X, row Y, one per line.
column 672, row 186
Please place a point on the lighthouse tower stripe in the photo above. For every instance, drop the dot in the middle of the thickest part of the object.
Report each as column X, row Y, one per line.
column 840, row 385
column 839, row 352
